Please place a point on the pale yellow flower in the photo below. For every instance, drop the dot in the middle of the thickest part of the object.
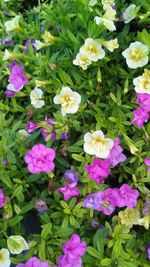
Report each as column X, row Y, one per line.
column 129, row 217
column 68, row 100
column 48, row 37
column 107, row 3
column 82, row 61
column 145, row 221
column 96, row 144
column 107, row 19
column 130, row 13
column 136, row 55
column 8, row 55
column 92, row 50
column 12, row 24
column 16, row 244
column 111, row 45
column 38, row 44
column 142, row 83
column 4, row 258
column 36, row 98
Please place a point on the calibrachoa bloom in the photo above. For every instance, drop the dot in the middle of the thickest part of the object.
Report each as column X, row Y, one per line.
column 96, row 144
column 8, row 55
column 147, row 162
column 7, row 41
column 64, row 136
column 92, row 49
column 12, row 24
column 27, row 43
column 34, row 262
column 31, row 126
column 46, row 132
column 16, row 244
column 129, row 217
column 23, row 134
column 4, row 258
column 72, row 177
column 40, row 159
column 130, row 13
column 140, row 116
column 68, row 100
column 136, row 55
column 17, row 79
column 107, row 19
column 82, row 61
column 73, row 250
column 148, row 253
column 142, row 83
column 41, row 206
column 116, row 156
column 143, row 100
column 36, row 98
column 111, row 45
column 146, row 208
column 98, row 170
column 127, row 196
column 2, row 197
column 69, row 191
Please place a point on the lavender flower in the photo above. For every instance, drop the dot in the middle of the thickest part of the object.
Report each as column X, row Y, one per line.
column 41, row 206
column 72, row 177
column 7, row 41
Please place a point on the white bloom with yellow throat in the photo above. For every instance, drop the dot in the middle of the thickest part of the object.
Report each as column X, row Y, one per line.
column 142, row 83
column 111, row 45
column 8, row 55
column 38, row 44
column 48, row 37
column 107, row 19
column 82, row 61
column 12, row 24
column 129, row 14
column 36, row 98
column 4, row 258
column 68, row 100
column 136, row 55
column 92, row 50
column 96, row 144
column 107, row 3
column 16, row 244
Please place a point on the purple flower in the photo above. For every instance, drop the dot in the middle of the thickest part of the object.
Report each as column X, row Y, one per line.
column 92, row 201
column 127, row 196
column 27, row 43
column 9, row 93
column 143, row 100
column 69, row 191
column 46, row 132
column 147, row 162
column 146, row 208
column 5, row 161
column 72, row 177
column 2, row 198
column 40, row 159
column 17, row 79
column 140, row 116
column 98, row 170
column 5, row 12
column 116, row 156
column 7, row 41
column 64, row 136
column 31, row 126
column 41, row 206
column 34, row 262
column 148, row 253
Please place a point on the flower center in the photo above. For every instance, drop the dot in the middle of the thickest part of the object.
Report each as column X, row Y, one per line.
column 136, row 54
column 1, row 257
column 67, row 100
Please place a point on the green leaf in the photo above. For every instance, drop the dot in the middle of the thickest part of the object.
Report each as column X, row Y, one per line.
column 93, row 252
column 46, row 230
column 106, row 262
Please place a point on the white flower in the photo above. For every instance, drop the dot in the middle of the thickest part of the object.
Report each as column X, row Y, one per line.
column 23, row 133
column 12, row 24
column 16, row 244
column 110, row 14
column 68, row 100
column 48, row 37
column 4, row 258
column 145, row 221
column 92, row 49
column 108, row 3
column 96, row 144
column 107, row 19
column 8, row 55
column 142, row 83
column 38, row 44
column 129, row 14
column 36, row 96
column 111, row 45
column 82, row 61
column 136, row 55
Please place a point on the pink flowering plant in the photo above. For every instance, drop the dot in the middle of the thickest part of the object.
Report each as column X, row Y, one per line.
column 74, row 133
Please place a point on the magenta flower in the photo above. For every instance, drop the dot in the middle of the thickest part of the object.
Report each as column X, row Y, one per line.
column 9, row 93
column 31, row 126
column 143, row 100
column 68, row 191
column 40, row 159
column 52, row 133
column 17, row 79
column 116, row 156
column 148, row 253
column 140, row 116
column 2, row 198
column 64, row 260
column 34, row 262
column 147, row 162
column 98, row 170
column 127, row 196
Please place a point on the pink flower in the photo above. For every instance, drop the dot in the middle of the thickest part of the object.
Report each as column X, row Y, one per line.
column 147, row 162
column 127, row 196
column 143, row 100
column 2, row 198
column 68, row 191
column 31, row 126
column 73, row 250
column 40, row 159
column 34, row 262
column 17, row 79
column 98, row 170
column 148, row 253
column 116, row 156
column 140, row 116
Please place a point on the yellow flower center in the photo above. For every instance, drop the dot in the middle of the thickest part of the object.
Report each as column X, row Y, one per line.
column 67, row 100
column 1, row 257
column 92, row 50
column 136, row 54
